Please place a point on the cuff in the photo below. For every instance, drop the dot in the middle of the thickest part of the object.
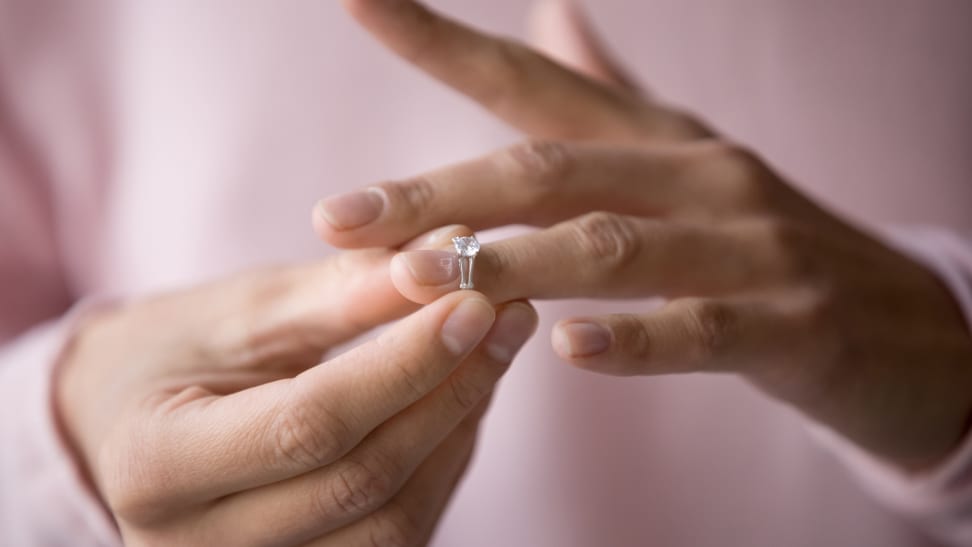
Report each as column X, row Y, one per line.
column 940, row 498
column 44, row 499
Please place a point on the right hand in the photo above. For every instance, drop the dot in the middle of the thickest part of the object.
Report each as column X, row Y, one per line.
column 202, row 417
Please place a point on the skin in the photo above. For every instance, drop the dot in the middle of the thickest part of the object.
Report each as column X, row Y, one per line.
column 633, row 198
column 206, row 417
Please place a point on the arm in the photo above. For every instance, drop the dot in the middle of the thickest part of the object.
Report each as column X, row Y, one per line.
column 858, row 335
column 940, row 498
column 206, row 415
column 43, row 500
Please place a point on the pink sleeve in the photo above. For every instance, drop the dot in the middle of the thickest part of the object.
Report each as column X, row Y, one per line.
column 42, row 499
column 940, row 501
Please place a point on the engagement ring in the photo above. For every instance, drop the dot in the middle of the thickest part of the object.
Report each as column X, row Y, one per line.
column 466, row 250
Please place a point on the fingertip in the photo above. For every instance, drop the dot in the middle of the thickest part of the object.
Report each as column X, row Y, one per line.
column 424, row 275
column 318, row 221
column 324, row 227
column 575, row 339
column 440, row 238
column 560, row 343
column 453, row 299
column 402, row 280
column 467, row 323
column 380, row 16
column 522, row 304
column 356, row 7
column 563, row 31
column 545, row 26
column 516, row 322
column 353, row 219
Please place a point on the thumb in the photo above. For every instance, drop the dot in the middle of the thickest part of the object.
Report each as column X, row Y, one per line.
column 560, row 29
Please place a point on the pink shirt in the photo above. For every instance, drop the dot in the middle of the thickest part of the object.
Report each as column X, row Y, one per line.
column 149, row 145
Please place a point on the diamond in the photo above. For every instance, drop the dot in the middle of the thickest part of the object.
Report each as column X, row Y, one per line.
column 466, row 247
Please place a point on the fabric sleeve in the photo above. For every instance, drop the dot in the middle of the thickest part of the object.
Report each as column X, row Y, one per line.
column 940, row 500
column 43, row 500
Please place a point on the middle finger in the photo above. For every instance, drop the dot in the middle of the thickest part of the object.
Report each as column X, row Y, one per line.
column 541, row 183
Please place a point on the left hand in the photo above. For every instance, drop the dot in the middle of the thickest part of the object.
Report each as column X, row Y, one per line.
column 206, row 416
column 763, row 282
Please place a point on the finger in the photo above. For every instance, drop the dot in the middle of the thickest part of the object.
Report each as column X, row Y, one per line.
column 563, row 31
column 540, row 183
column 524, row 88
column 686, row 335
column 287, row 317
column 410, row 518
column 313, row 504
column 438, row 239
column 607, row 255
column 213, row 446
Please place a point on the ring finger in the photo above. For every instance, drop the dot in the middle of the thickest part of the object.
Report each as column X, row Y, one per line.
column 608, row 255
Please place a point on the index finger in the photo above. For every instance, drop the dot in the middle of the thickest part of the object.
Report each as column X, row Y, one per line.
column 524, row 88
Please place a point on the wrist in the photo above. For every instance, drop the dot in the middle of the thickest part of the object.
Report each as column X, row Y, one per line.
column 76, row 382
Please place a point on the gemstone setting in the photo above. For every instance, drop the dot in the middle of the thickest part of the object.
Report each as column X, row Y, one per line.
column 467, row 247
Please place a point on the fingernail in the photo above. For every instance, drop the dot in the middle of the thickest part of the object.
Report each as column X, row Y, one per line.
column 466, row 325
column 514, row 326
column 354, row 209
column 431, row 268
column 442, row 236
column 581, row 339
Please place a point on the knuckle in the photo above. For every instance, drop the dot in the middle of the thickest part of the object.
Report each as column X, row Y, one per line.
column 540, row 164
column 785, row 233
column 685, row 125
column 262, row 327
column 134, row 484
column 790, row 244
column 355, row 489
column 425, row 37
column 501, row 264
column 405, row 379
column 307, row 435
column 743, row 173
column 393, row 526
column 127, row 491
column 608, row 239
column 412, row 197
column 816, row 371
column 241, row 339
column 738, row 159
column 714, row 325
column 819, row 314
column 634, row 338
column 465, row 393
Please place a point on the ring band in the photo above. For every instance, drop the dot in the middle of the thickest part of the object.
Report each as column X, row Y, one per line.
column 466, row 250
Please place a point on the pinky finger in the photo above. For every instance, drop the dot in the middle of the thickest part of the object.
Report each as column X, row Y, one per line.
column 686, row 335
column 410, row 518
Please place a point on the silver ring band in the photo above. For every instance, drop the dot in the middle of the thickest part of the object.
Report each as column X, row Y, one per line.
column 466, row 250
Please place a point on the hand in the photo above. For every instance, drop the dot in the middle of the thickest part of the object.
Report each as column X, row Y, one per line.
column 202, row 417
column 762, row 281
